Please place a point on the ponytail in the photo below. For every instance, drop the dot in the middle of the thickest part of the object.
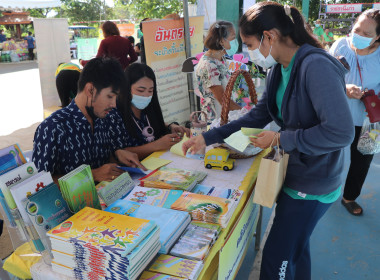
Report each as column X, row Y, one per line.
column 265, row 16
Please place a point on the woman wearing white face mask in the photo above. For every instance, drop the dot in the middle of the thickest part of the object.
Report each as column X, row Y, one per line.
column 211, row 72
column 361, row 50
column 141, row 112
column 315, row 126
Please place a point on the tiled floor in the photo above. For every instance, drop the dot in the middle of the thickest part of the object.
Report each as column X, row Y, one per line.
column 343, row 247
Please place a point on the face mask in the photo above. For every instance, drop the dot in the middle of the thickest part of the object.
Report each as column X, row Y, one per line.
column 90, row 110
column 234, row 47
column 360, row 42
column 317, row 25
column 140, row 102
column 258, row 58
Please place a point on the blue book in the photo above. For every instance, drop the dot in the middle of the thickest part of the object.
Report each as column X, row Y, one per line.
column 7, row 163
column 171, row 222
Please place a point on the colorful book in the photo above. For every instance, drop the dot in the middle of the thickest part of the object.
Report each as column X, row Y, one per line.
column 151, row 196
column 46, row 209
column 173, row 178
column 148, row 275
column 78, row 189
column 7, row 163
column 178, row 267
column 196, row 241
column 217, row 192
column 99, row 228
column 111, row 191
column 16, row 152
column 206, row 208
column 171, row 222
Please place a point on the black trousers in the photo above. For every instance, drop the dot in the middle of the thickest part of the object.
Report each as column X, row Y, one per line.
column 67, row 85
column 31, row 54
column 358, row 171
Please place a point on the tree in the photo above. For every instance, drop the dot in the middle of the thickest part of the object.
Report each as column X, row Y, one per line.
column 39, row 13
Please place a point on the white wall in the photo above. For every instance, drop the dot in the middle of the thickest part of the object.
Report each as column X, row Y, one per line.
column 53, row 47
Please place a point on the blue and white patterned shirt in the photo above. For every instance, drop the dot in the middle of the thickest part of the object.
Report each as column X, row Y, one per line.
column 65, row 140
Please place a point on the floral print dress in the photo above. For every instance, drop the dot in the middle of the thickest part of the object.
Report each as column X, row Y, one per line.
column 210, row 72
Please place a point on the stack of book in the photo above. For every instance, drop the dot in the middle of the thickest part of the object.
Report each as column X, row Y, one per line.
column 173, row 178
column 156, row 197
column 177, row 267
column 196, row 241
column 206, row 208
column 218, row 192
column 148, row 275
column 78, row 189
column 95, row 244
column 171, row 222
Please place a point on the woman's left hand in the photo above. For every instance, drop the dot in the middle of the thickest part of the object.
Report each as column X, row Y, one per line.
column 264, row 139
column 179, row 130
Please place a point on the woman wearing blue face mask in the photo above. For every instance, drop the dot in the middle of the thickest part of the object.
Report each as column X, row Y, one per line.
column 315, row 123
column 141, row 112
column 211, row 72
column 361, row 51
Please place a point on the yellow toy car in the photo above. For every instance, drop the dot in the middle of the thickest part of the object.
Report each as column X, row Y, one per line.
column 218, row 158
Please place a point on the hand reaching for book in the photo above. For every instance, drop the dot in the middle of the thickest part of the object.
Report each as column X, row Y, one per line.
column 194, row 144
column 129, row 159
column 168, row 140
column 107, row 172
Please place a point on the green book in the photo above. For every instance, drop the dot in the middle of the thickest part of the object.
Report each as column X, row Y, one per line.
column 78, row 189
column 116, row 189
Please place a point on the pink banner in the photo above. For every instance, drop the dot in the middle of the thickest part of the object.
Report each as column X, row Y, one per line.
column 343, row 8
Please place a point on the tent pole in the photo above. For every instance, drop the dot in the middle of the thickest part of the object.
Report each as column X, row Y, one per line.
column 188, row 54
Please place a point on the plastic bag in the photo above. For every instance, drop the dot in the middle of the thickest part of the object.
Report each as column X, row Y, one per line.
column 369, row 141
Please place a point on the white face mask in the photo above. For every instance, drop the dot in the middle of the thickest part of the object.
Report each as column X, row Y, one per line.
column 259, row 59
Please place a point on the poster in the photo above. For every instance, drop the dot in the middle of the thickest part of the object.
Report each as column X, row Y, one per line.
column 343, row 8
column 53, row 47
column 126, row 29
column 165, row 53
column 87, row 48
column 238, row 242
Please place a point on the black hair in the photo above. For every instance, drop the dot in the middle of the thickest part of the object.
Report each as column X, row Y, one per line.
column 265, row 16
column 375, row 15
column 142, row 22
column 102, row 72
column 131, row 39
column 218, row 31
column 133, row 73
column 29, row 33
column 138, row 45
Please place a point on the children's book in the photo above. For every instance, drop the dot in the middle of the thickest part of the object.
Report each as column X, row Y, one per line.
column 196, row 241
column 7, row 163
column 178, row 267
column 147, row 275
column 117, row 232
column 16, row 152
column 151, row 196
column 170, row 221
column 29, row 187
column 47, row 209
column 116, row 189
column 78, row 189
column 173, row 178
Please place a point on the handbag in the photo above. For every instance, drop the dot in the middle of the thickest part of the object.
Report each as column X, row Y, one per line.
column 371, row 100
column 271, row 176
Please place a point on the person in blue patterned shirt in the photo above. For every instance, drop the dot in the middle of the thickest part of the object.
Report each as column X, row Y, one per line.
column 89, row 130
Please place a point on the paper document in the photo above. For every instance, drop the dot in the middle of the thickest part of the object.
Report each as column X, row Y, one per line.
column 153, row 163
column 177, row 148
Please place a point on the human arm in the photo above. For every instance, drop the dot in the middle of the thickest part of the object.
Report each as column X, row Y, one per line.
column 178, row 129
column 164, row 143
column 218, row 92
column 102, row 51
column 132, row 54
column 334, row 128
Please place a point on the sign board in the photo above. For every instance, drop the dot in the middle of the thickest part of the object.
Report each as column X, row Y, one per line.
column 165, row 53
column 343, row 8
column 126, row 29
column 376, row 6
column 53, row 47
column 87, row 48
column 234, row 249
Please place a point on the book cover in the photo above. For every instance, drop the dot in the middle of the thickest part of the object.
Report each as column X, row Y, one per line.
column 27, row 187
column 78, row 189
column 168, row 220
column 14, row 177
column 7, row 163
column 152, row 196
column 16, row 152
column 119, row 233
column 116, row 189
column 179, row 267
column 173, row 178
column 148, row 275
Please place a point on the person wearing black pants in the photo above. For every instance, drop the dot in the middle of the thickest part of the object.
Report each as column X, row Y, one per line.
column 66, row 81
column 357, row 172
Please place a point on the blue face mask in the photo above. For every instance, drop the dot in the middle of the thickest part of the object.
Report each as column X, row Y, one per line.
column 234, row 47
column 140, row 102
column 360, row 42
